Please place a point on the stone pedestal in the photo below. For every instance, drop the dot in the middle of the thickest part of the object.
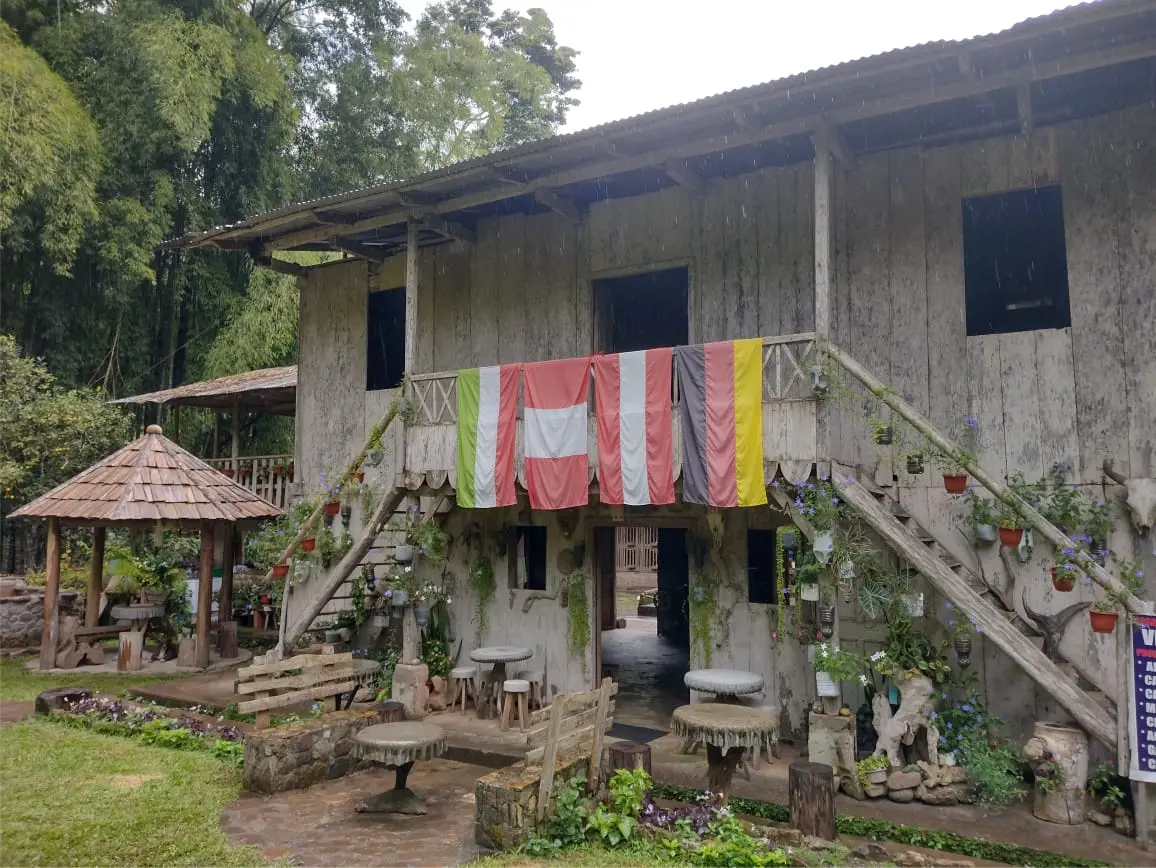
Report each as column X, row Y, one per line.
column 831, row 741
column 409, row 688
column 187, row 652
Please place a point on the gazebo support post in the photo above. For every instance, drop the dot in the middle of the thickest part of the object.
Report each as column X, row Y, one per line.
column 51, row 632
column 225, row 604
column 95, row 578
column 235, row 440
column 204, row 594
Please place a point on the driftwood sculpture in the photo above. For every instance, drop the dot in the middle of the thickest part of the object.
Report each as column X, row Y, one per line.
column 910, row 723
column 1058, row 753
column 1052, row 626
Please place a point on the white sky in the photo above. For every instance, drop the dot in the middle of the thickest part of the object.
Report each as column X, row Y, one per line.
column 638, row 55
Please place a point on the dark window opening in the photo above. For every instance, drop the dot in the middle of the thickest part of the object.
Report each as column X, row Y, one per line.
column 762, row 564
column 385, row 350
column 1015, row 262
column 642, row 311
column 528, row 558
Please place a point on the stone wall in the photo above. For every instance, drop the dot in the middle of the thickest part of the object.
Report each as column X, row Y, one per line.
column 22, row 613
column 301, row 754
column 506, row 801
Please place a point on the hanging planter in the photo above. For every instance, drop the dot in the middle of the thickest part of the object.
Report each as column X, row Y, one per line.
column 1103, row 622
column 403, row 553
column 963, row 650
column 789, row 537
column 1010, row 537
column 421, row 613
column 332, row 507
column 884, row 435
column 913, row 604
column 915, row 463
column 378, row 621
column 280, row 571
column 986, row 533
column 955, row 483
column 827, row 621
column 1062, row 580
column 823, row 545
column 399, row 599
column 809, row 593
column 309, row 544
column 825, row 685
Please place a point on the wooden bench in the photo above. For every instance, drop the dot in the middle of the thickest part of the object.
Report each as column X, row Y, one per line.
column 576, row 721
column 303, row 678
column 80, row 644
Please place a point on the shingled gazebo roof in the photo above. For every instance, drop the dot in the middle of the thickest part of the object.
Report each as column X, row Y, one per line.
column 150, row 480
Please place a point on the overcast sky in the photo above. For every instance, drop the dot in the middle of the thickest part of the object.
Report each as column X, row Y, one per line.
column 638, row 55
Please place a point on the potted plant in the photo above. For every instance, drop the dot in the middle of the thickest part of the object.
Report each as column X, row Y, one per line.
column 961, row 638
column 982, row 516
column 1065, row 571
column 874, row 769
column 308, row 544
column 914, row 463
column 1011, row 529
column 819, row 504
column 954, row 467
column 827, row 621
column 332, row 507
column 882, row 432
column 832, row 666
column 1104, row 615
column 403, row 553
column 280, row 570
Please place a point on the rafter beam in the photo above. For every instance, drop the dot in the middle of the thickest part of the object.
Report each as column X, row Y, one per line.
column 1024, row 105
column 683, row 175
column 331, row 219
column 363, row 251
column 450, row 229
column 558, row 204
column 503, row 176
column 281, row 266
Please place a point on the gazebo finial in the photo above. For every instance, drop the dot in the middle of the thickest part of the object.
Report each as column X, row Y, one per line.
column 154, row 429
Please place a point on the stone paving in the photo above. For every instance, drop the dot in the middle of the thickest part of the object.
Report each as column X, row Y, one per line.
column 319, row 826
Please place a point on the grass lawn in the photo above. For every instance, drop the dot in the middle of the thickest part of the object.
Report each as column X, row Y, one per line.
column 588, row 856
column 19, row 683
column 73, row 797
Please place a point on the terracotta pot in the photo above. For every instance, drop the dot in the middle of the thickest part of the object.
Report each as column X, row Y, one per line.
column 955, row 483
column 333, row 507
column 1063, row 583
column 1103, row 622
column 280, row 571
column 309, row 544
column 1010, row 536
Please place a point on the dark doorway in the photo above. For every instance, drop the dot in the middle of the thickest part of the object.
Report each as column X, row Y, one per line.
column 385, row 344
column 642, row 311
column 673, row 586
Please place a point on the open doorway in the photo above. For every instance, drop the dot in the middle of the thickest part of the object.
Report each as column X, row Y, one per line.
column 643, row 582
column 642, row 311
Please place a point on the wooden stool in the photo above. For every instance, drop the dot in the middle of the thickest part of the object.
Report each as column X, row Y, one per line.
column 537, row 679
column 463, row 679
column 515, row 688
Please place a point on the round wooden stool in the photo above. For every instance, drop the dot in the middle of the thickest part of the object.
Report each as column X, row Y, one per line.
column 515, row 689
column 463, row 683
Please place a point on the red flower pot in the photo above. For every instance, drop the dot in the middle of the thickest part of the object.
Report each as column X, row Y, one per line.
column 280, row 571
column 1062, row 581
column 278, row 470
column 955, row 483
column 1010, row 536
column 333, row 507
column 1103, row 622
column 308, row 544
column 266, row 599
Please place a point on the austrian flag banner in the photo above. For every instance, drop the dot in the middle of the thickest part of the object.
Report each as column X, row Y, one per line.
column 487, row 412
column 557, row 465
column 635, row 450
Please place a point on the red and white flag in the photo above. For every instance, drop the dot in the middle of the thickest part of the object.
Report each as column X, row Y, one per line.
column 635, row 449
column 557, row 464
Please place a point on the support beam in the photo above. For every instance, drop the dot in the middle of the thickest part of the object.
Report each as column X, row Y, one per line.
column 50, row 635
column 95, row 578
column 558, row 205
column 235, row 438
column 225, row 600
column 330, row 219
column 835, row 142
column 683, row 175
column 1024, row 104
column 824, row 199
column 504, row 177
column 292, row 269
column 204, row 594
column 450, row 229
column 411, row 290
column 363, row 251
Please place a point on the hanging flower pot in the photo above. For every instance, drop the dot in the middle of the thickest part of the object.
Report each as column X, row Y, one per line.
column 280, row 571
column 913, row 603
column 809, row 593
column 884, row 435
column 1103, row 622
column 986, row 533
column 309, row 544
column 332, row 507
column 378, row 621
column 823, row 545
column 1010, row 537
column 963, row 650
column 399, row 599
column 403, row 553
column 1062, row 580
column 266, row 600
column 825, row 685
column 955, row 483
column 789, row 538
column 915, row 463
column 421, row 613
column 848, row 593
column 827, row 621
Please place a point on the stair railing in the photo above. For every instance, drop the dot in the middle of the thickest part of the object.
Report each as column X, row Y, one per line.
column 1026, row 511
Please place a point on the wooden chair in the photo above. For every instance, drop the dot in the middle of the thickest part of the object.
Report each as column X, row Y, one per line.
column 303, row 678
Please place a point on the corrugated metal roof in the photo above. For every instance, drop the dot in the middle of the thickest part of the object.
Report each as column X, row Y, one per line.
column 1088, row 12
column 268, row 389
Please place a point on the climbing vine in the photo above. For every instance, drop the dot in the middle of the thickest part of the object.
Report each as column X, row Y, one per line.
column 578, row 618
column 780, row 582
column 702, row 613
column 484, row 586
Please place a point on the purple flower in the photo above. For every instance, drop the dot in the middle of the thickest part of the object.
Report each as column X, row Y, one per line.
column 947, row 604
column 835, row 501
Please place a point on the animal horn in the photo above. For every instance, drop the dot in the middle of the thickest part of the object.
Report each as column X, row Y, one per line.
column 1036, row 617
column 1112, row 474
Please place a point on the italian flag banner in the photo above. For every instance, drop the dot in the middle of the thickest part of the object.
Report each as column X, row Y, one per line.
column 487, row 409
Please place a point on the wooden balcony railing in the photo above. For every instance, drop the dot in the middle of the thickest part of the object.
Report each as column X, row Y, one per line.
column 268, row 476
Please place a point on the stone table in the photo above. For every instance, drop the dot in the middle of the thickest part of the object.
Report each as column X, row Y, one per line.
column 398, row 746
column 132, row 643
column 728, row 731
column 727, row 685
column 499, row 655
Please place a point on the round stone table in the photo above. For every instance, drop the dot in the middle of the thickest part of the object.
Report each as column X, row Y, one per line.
column 727, row 685
column 728, row 731
column 491, row 687
column 398, row 746
column 139, row 615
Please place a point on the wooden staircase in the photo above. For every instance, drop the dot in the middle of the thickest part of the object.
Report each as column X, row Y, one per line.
column 975, row 598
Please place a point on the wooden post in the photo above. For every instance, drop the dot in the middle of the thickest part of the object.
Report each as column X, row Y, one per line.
column 824, row 177
column 411, row 290
column 550, row 756
column 225, row 606
column 95, row 578
column 811, row 794
column 51, row 631
column 630, row 755
column 215, row 450
column 176, row 438
column 204, row 594
column 594, row 770
column 227, row 646
column 235, row 440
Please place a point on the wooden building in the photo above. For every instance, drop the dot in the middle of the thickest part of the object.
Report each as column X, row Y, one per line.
column 971, row 222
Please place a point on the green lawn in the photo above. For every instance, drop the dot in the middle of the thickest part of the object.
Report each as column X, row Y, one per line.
column 73, row 797
column 588, row 856
column 18, row 682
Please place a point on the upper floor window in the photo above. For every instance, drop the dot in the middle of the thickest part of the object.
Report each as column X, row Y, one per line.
column 385, row 350
column 642, row 311
column 1015, row 262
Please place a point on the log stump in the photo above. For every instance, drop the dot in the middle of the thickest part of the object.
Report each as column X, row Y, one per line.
column 391, row 711
column 629, row 755
column 811, row 792
column 1059, row 751
column 129, row 654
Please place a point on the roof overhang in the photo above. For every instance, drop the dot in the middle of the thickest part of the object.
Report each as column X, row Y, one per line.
column 1086, row 59
column 270, row 390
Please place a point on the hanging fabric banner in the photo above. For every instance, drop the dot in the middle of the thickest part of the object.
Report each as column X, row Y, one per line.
column 721, row 408
column 557, row 464
column 487, row 411
column 635, row 447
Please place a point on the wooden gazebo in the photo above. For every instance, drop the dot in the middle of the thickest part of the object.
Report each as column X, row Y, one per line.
column 152, row 482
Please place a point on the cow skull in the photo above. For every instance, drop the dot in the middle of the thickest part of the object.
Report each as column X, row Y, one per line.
column 1140, row 495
